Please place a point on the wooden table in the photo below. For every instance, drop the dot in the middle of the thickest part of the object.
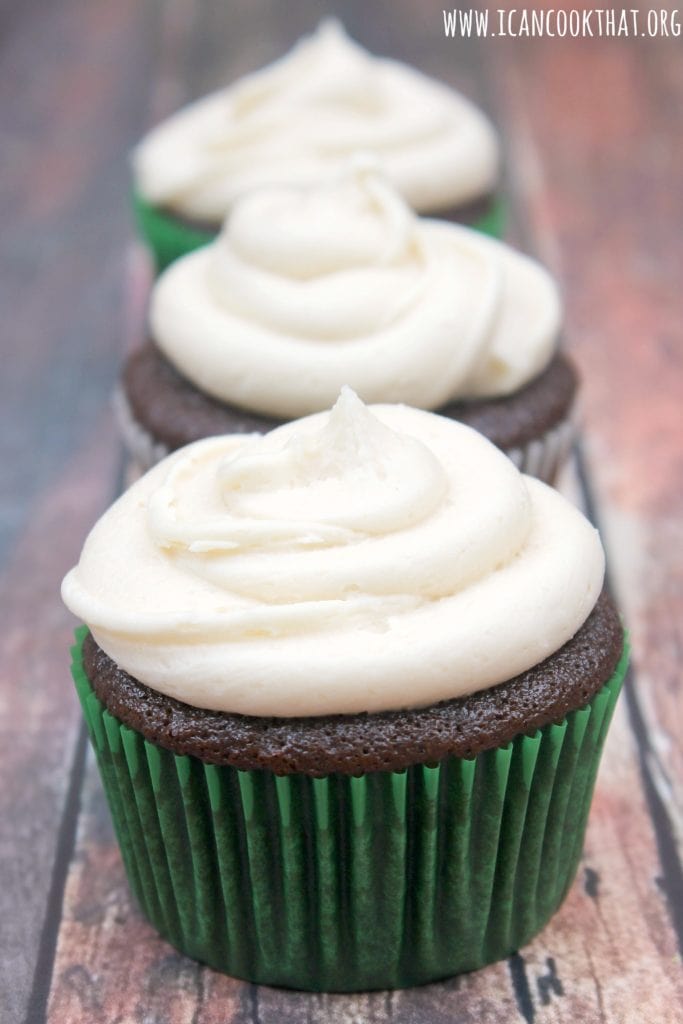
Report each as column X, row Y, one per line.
column 593, row 132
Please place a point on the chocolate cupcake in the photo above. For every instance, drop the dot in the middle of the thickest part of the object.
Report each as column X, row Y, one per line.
column 307, row 290
column 348, row 684
column 294, row 123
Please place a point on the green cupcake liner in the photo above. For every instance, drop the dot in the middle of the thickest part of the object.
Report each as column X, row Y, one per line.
column 493, row 221
column 350, row 883
column 168, row 237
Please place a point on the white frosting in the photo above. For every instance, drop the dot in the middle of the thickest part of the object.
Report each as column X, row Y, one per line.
column 358, row 560
column 297, row 119
column 310, row 289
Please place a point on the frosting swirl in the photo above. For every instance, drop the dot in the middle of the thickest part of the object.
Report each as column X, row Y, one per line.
column 358, row 560
column 308, row 290
column 297, row 119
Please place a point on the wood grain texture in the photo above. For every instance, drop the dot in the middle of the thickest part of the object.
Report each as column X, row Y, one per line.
column 593, row 133
column 61, row 248
column 619, row 257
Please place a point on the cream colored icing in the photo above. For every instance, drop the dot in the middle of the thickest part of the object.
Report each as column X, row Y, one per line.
column 307, row 290
column 297, row 119
column 358, row 560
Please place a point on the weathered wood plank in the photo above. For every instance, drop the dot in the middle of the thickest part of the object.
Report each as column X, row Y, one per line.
column 605, row 130
column 615, row 134
column 610, row 954
column 65, row 122
column 39, row 719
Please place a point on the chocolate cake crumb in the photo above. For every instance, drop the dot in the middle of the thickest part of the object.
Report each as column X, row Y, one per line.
column 383, row 741
column 175, row 412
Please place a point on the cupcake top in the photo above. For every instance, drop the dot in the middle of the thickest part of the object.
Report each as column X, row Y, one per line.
column 297, row 119
column 306, row 290
column 356, row 560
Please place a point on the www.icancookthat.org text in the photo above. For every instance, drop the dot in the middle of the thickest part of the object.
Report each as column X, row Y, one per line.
column 599, row 22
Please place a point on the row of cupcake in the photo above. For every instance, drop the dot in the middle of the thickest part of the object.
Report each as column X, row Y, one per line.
column 323, row 273
column 347, row 670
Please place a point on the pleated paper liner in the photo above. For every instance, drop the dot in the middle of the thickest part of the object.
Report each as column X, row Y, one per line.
column 169, row 237
column 342, row 883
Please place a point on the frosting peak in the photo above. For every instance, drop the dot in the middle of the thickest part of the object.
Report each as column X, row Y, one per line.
column 358, row 560
column 322, row 263
column 355, row 221
column 346, row 480
column 308, row 289
column 325, row 68
column 297, row 120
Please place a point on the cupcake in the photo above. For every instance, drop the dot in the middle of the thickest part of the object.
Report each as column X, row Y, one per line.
column 348, row 684
column 294, row 122
column 309, row 289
